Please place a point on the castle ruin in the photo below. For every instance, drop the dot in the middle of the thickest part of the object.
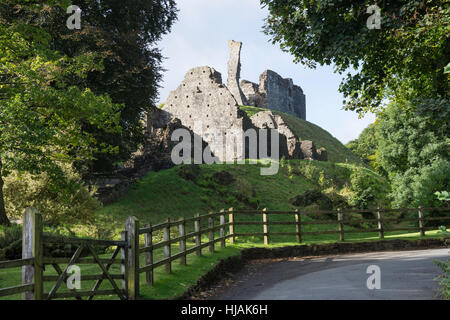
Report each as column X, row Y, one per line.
column 210, row 110
column 275, row 93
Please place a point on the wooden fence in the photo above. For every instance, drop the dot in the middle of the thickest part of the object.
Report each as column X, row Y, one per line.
column 203, row 231
column 34, row 264
column 229, row 230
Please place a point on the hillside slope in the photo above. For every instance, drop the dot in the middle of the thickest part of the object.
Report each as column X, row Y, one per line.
column 185, row 190
column 189, row 189
column 305, row 130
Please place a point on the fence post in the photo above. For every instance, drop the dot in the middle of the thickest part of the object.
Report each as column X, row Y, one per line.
column 149, row 254
column 298, row 225
column 421, row 224
column 124, row 264
column 32, row 248
column 182, row 234
column 211, row 234
column 380, row 223
column 167, row 247
column 266, row 226
column 222, row 228
column 198, row 237
column 132, row 228
column 231, row 226
column 341, row 224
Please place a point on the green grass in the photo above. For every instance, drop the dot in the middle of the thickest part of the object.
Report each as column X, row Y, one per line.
column 12, row 277
column 173, row 285
column 305, row 130
column 164, row 194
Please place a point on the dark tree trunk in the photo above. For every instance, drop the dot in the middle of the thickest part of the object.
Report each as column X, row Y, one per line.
column 4, row 221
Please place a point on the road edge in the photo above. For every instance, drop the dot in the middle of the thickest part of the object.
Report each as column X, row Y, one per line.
column 226, row 267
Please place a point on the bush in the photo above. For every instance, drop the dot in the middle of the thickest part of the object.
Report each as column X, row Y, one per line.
column 367, row 190
column 9, row 234
column 417, row 187
column 310, row 197
column 444, row 279
column 11, row 244
column 309, row 171
column 189, row 172
column 63, row 202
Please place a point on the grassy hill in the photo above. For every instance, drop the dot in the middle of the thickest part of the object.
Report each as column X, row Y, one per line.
column 189, row 189
column 305, row 130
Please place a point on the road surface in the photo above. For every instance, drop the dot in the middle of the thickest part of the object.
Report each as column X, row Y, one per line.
column 404, row 275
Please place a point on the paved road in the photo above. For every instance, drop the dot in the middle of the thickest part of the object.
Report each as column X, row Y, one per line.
column 404, row 275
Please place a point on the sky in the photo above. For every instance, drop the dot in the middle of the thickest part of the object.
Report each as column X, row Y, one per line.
column 200, row 38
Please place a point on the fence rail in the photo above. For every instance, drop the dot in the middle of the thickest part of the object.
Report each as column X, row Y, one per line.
column 187, row 236
column 34, row 264
column 228, row 227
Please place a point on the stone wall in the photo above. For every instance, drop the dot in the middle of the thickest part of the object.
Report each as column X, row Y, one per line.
column 282, row 95
column 210, row 111
column 275, row 93
column 234, row 72
column 268, row 120
column 253, row 96
column 207, row 107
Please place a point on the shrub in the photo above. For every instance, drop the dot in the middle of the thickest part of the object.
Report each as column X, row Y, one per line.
column 189, row 172
column 309, row 171
column 417, row 187
column 367, row 190
column 62, row 202
column 9, row 234
column 444, row 279
column 310, row 197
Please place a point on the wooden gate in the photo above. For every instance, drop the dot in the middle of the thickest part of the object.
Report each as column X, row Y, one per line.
column 36, row 266
column 86, row 246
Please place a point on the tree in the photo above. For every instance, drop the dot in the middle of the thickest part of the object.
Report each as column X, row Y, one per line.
column 411, row 48
column 414, row 153
column 366, row 146
column 42, row 112
column 124, row 34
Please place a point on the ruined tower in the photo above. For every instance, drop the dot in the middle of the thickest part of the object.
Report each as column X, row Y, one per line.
column 234, row 72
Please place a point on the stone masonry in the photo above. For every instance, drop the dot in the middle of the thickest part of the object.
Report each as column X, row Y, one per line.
column 207, row 107
column 268, row 120
column 234, row 72
column 275, row 93
column 210, row 110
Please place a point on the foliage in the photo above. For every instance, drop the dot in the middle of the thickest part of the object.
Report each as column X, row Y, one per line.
column 62, row 203
column 9, row 234
column 368, row 190
column 43, row 102
column 415, row 154
column 310, row 197
column 411, row 47
column 444, row 279
column 366, row 146
column 443, row 195
column 443, row 229
column 447, row 69
column 124, row 35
